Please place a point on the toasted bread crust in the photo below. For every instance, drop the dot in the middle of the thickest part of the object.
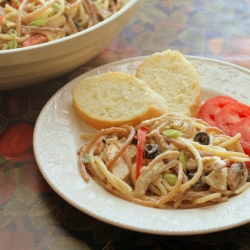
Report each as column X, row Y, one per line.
column 114, row 99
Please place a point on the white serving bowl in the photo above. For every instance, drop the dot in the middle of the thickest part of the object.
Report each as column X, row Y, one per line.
column 26, row 66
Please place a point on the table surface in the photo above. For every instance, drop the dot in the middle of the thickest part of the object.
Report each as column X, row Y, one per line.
column 29, row 218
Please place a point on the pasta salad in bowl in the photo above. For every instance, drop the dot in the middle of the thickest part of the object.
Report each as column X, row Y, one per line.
column 40, row 40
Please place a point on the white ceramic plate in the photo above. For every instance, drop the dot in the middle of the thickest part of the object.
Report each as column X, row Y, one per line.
column 56, row 141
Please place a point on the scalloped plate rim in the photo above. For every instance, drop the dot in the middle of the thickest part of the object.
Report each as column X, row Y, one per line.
column 131, row 224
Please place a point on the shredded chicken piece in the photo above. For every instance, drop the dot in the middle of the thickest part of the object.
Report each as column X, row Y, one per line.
column 120, row 167
column 154, row 168
column 210, row 163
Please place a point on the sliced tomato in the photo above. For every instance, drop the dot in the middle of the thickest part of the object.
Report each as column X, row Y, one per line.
column 212, row 106
column 242, row 127
column 36, row 39
column 231, row 114
column 248, row 165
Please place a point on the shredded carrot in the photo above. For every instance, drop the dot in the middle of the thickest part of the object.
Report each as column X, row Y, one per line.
column 36, row 39
column 14, row 5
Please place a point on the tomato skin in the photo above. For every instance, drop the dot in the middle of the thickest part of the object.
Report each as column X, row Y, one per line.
column 230, row 115
column 212, row 107
column 242, row 127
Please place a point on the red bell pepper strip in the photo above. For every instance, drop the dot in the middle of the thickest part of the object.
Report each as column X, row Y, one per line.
column 141, row 137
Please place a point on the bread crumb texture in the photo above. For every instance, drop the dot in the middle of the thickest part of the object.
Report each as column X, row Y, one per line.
column 115, row 98
column 171, row 75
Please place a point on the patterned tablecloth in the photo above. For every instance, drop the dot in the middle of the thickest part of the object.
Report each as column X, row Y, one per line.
column 32, row 215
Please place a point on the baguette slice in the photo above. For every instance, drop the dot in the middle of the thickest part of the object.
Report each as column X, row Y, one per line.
column 171, row 75
column 114, row 99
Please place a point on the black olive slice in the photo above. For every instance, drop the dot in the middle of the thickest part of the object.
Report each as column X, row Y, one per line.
column 202, row 138
column 151, row 151
column 134, row 141
column 200, row 182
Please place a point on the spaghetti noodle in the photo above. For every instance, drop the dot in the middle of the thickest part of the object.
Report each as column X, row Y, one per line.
column 186, row 163
column 29, row 22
